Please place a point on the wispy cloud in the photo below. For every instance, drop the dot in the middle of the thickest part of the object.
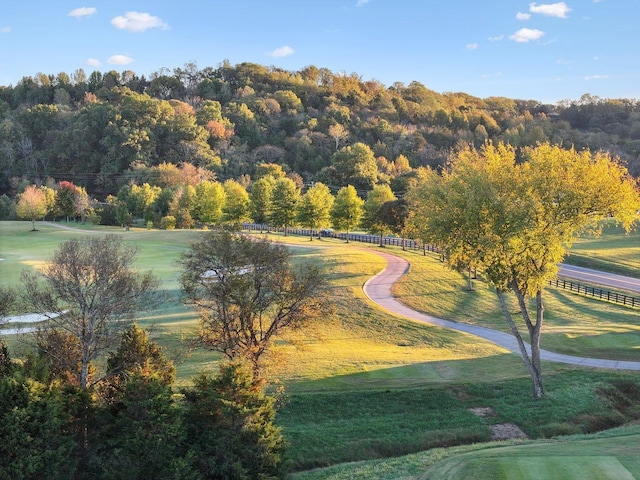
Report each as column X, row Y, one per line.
column 596, row 77
column 93, row 62
column 560, row 9
column 523, row 16
column 138, row 22
column 526, row 35
column 281, row 52
column 119, row 60
column 5, row 30
column 497, row 38
column 82, row 12
column 472, row 46
column 360, row 3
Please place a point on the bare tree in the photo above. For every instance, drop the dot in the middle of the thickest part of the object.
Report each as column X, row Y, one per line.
column 246, row 293
column 91, row 292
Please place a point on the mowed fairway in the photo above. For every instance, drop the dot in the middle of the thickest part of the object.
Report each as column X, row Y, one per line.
column 594, row 459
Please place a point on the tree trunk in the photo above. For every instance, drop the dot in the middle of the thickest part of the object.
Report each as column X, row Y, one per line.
column 534, row 338
column 532, row 363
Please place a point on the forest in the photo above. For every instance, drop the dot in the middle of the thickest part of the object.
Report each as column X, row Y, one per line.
column 105, row 131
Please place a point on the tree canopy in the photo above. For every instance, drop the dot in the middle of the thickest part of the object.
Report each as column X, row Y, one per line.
column 514, row 220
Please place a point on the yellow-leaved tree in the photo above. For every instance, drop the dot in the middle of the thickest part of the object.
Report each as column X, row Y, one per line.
column 516, row 220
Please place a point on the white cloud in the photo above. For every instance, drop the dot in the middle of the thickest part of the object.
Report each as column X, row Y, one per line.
column 526, row 35
column 138, row 22
column 5, row 30
column 523, row 16
column 281, row 52
column 360, row 3
column 559, row 10
column 119, row 60
column 497, row 38
column 82, row 12
column 596, row 77
column 93, row 62
column 472, row 46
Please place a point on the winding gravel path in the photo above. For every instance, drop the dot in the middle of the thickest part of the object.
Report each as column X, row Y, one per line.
column 378, row 289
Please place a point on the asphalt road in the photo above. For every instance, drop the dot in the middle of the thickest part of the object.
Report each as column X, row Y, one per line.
column 600, row 278
column 378, row 289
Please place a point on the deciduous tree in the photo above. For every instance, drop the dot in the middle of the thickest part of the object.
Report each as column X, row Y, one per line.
column 347, row 210
column 284, row 203
column 371, row 219
column 32, row 204
column 92, row 291
column 314, row 210
column 515, row 221
column 260, row 199
column 246, row 292
column 236, row 205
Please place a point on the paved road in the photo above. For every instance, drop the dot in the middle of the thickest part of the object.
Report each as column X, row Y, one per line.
column 378, row 289
column 600, row 278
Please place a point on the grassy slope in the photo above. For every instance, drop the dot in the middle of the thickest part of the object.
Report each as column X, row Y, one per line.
column 574, row 324
column 609, row 455
column 356, row 382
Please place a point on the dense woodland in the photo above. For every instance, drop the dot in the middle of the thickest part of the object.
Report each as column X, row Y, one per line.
column 103, row 131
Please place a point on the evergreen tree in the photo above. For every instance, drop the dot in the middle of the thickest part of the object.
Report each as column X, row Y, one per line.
column 231, row 429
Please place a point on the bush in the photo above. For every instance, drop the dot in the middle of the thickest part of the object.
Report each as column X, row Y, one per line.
column 168, row 223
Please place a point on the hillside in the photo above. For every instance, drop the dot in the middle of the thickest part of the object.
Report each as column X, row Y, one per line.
column 102, row 130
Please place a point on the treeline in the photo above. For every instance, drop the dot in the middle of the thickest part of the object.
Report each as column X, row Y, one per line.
column 99, row 130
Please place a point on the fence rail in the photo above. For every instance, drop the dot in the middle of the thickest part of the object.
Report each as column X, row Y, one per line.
column 599, row 293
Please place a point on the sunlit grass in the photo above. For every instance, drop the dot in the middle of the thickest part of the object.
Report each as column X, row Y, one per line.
column 573, row 324
column 614, row 251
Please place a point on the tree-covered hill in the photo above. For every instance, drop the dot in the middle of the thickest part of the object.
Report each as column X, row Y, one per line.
column 101, row 130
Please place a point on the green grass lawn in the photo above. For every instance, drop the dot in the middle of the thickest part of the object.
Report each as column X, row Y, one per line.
column 573, row 324
column 603, row 456
column 614, row 458
column 363, row 384
column 614, row 251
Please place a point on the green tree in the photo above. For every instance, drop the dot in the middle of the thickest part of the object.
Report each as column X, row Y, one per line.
column 394, row 214
column 260, row 195
column 137, row 354
column 231, row 427
column 65, row 198
column 371, row 219
column 355, row 165
column 246, row 292
column 34, row 423
column 236, row 206
column 516, row 220
column 93, row 291
column 284, row 203
column 314, row 209
column 210, row 200
column 140, row 414
column 347, row 210
column 32, row 204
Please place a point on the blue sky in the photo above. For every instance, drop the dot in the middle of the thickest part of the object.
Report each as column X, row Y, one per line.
column 518, row 49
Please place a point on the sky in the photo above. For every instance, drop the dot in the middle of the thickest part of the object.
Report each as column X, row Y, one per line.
column 548, row 52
